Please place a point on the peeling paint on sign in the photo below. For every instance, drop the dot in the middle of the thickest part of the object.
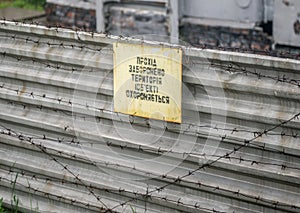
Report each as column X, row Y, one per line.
column 148, row 81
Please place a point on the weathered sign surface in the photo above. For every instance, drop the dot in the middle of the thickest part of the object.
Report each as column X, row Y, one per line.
column 147, row 81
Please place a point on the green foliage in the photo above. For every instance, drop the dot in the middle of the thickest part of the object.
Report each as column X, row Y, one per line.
column 26, row 4
column 15, row 200
column 4, row 4
column 2, row 209
column 132, row 209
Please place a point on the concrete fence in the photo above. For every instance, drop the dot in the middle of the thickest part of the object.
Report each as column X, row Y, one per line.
column 64, row 149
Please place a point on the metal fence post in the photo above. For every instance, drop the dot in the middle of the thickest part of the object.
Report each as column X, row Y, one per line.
column 100, row 16
column 174, row 20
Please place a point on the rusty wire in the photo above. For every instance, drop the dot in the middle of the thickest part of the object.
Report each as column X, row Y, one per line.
column 46, row 150
column 287, row 53
column 53, row 154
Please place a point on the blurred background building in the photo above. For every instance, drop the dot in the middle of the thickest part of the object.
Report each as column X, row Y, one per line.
column 259, row 26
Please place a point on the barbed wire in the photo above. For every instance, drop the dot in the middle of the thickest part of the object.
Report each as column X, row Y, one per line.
column 88, row 205
column 52, row 44
column 140, row 148
column 231, row 67
column 207, row 165
column 228, row 68
column 37, row 190
column 45, row 150
column 186, row 128
column 259, row 134
column 236, row 68
column 283, row 53
column 274, row 53
column 236, row 136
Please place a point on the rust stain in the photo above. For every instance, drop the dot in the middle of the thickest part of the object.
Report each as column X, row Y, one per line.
column 48, row 187
column 22, row 90
column 26, row 112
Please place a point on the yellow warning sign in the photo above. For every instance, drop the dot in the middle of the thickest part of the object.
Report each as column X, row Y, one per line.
column 148, row 81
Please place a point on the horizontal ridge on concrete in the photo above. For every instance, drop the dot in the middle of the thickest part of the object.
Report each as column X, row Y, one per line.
column 64, row 149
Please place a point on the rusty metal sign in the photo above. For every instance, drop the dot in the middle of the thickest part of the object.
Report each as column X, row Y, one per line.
column 148, row 81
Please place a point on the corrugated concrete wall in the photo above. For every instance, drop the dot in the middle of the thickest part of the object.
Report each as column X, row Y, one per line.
column 63, row 149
